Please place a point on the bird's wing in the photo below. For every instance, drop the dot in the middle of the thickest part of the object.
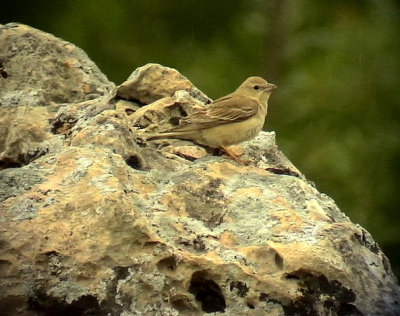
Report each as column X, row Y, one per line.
column 229, row 109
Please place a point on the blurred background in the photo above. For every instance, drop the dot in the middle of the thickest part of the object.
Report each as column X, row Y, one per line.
column 337, row 64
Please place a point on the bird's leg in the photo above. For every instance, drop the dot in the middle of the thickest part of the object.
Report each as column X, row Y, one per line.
column 230, row 154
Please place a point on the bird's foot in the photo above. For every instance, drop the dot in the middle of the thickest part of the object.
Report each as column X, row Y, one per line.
column 232, row 155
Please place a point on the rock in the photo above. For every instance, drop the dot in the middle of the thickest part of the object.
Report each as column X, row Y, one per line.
column 103, row 222
column 39, row 74
column 153, row 81
column 39, row 69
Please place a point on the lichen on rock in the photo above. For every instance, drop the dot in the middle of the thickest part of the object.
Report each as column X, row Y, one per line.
column 95, row 219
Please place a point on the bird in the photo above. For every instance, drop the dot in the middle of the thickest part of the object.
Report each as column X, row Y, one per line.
column 230, row 120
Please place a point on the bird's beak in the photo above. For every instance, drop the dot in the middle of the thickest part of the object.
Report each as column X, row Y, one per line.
column 270, row 86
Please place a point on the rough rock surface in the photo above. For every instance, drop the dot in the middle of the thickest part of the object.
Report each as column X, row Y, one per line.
column 38, row 69
column 95, row 220
column 39, row 73
column 150, row 83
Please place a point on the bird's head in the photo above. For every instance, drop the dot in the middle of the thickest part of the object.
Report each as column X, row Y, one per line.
column 257, row 88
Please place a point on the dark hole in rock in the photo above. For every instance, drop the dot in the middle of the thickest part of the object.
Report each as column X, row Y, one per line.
column 189, row 158
column 250, row 305
column 292, row 277
column 129, row 111
column 198, row 244
column 283, row 171
column 321, row 284
column 185, row 243
column 241, row 288
column 217, row 152
column 51, row 253
column 182, row 112
column 21, row 159
column 137, row 101
column 56, row 125
column 9, row 163
column 174, row 121
column 134, row 162
column 207, row 292
column 122, row 95
column 3, row 73
column 320, row 292
column 279, row 260
column 168, row 263
column 150, row 244
column 121, row 273
column 46, row 305
column 263, row 297
column 62, row 125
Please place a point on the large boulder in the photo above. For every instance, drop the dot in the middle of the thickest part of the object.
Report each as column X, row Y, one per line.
column 96, row 220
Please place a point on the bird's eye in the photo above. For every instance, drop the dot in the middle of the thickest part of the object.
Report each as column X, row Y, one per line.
column 256, row 87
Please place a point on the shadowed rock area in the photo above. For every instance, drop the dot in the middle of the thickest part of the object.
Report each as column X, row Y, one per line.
column 96, row 220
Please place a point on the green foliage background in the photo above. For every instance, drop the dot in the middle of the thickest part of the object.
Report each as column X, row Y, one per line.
column 337, row 65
